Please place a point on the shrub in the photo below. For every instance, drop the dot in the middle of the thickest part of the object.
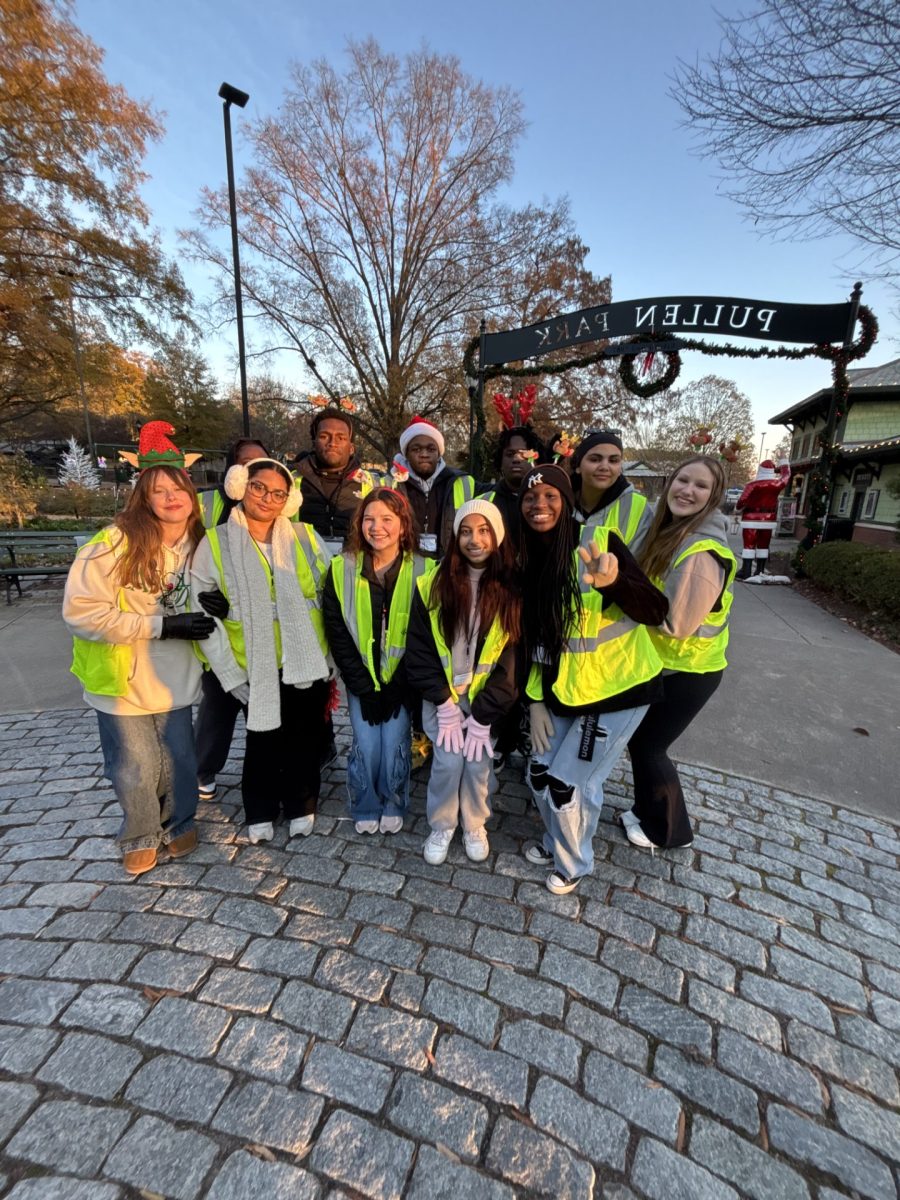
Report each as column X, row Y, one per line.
column 21, row 488
column 867, row 575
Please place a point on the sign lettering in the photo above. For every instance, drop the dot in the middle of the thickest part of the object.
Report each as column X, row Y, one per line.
column 805, row 323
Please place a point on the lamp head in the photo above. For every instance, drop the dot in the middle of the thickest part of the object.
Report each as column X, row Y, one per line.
column 233, row 95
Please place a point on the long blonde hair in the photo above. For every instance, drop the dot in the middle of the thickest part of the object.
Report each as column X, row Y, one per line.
column 140, row 566
column 667, row 532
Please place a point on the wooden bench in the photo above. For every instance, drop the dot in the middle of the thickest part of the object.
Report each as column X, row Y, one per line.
column 11, row 575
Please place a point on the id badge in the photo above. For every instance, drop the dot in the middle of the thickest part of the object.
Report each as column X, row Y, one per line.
column 428, row 543
column 335, row 546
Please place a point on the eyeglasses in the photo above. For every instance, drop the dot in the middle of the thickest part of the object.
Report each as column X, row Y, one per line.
column 261, row 491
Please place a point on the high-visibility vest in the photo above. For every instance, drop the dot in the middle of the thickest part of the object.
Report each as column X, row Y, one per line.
column 355, row 598
column 311, row 567
column 463, row 490
column 606, row 654
column 623, row 515
column 104, row 668
column 490, row 651
column 212, row 506
column 704, row 650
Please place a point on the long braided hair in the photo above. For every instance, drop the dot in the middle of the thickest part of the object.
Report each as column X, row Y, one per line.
column 552, row 592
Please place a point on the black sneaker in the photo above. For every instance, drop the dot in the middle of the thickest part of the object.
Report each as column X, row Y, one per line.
column 535, row 853
column 559, row 885
column 207, row 791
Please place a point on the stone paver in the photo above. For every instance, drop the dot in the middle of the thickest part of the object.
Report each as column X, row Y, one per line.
column 706, row 1024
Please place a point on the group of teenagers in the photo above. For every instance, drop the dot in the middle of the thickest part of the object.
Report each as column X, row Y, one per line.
column 555, row 611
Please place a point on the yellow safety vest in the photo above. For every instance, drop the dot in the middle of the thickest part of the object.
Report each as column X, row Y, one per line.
column 211, row 508
column 623, row 515
column 311, row 569
column 606, row 654
column 704, row 650
column 352, row 590
column 463, row 490
column 490, row 651
column 104, row 668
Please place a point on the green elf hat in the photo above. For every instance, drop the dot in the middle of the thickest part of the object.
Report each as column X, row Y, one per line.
column 155, row 449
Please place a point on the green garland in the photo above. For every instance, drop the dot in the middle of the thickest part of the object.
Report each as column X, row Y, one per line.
column 838, row 355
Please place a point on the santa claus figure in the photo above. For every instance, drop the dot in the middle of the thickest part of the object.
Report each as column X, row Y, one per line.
column 758, row 506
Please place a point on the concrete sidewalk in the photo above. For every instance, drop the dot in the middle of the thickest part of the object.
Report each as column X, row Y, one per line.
column 799, row 683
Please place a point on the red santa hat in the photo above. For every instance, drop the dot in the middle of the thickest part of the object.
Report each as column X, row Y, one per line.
column 766, row 470
column 419, row 427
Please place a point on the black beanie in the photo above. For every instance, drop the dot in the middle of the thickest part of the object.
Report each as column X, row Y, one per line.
column 554, row 476
column 598, row 437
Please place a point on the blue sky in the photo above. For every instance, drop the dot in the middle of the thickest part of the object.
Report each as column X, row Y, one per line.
column 594, row 77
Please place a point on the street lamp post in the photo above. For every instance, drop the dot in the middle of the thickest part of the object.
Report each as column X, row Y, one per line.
column 232, row 95
column 79, row 365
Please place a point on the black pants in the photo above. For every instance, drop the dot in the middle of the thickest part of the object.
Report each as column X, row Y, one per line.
column 658, row 798
column 281, row 766
column 214, row 728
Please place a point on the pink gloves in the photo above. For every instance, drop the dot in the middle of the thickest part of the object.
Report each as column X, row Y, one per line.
column 450, row 726
column 478, row 741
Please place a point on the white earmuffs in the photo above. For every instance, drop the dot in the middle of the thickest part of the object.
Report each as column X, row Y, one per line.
column 238, row 476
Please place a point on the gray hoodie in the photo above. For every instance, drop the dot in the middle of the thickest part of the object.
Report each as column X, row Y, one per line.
column 695, row 585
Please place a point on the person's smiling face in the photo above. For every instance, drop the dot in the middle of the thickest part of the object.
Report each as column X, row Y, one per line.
column 601, row 466
column 542, row 507
column 475, row 540
column 275, row 490
column 690, row 490
column 381, row 528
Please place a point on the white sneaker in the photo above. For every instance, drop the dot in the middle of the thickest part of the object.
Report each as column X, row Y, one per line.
column 302, row 826
column 207, row 791
column 260, row 833
column 390, row 824
column 476, row 844
column 628, row 819
column 637, row 837
column 436, row 845
column 366, row 826
column 560, row 885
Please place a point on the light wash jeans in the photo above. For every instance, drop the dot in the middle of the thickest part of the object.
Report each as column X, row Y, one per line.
column 570, row 827
column 378, row 765
column 459, row 792
column 151, row 764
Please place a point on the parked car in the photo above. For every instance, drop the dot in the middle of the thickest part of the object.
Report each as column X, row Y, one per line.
column 730, row 499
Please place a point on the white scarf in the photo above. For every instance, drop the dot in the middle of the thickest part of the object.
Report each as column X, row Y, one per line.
column 302, row 659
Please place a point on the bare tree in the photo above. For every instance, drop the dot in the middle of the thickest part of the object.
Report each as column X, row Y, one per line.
column 801, row 108
column 371, row 232
column 713, row 405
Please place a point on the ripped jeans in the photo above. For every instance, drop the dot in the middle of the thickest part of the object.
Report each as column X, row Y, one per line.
column 569, row 790
column 378, row 765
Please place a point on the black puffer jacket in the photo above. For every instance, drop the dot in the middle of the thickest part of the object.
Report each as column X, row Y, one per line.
column 330, row 501
column 435, row 511
column 426, row 675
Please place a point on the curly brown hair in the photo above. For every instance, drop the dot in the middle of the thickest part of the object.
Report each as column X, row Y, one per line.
column 140, row 566
column 399, row 506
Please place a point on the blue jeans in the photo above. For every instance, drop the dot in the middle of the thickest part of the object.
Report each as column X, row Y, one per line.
column 151, row 764
column 570, row 795
column 378, row 765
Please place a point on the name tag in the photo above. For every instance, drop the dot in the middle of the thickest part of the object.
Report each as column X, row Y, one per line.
column 428, row 543
column 334, row 546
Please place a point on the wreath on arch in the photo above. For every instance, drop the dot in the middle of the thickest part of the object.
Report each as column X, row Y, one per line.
column 629, row 375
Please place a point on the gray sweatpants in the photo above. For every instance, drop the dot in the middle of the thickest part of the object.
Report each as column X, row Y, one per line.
column 458, row 791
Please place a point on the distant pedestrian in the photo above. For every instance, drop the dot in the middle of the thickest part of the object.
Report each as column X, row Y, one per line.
column 126, row 605
column 461, row 656
column 367, row 602
column 686, row 554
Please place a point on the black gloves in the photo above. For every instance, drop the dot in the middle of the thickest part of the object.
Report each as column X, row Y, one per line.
column 190, row 627
column 215, row 603
column 393, row 699
column 370, row 705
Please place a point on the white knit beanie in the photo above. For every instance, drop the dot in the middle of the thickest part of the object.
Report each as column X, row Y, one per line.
column 484, row 508
column 419, row 427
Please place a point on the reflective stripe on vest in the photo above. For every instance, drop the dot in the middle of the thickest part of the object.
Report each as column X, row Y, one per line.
column 355, row 599
column 490, row 652
column 211, row 508
column 609, row 653
column 463, row 490
column 104, row 668
column 623, row 515
column 704, row 650
column 310, row 567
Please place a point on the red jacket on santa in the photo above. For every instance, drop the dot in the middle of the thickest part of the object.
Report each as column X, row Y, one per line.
column 758, row 506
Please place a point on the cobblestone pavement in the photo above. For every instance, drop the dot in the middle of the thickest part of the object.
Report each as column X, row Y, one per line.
column 332, row 1017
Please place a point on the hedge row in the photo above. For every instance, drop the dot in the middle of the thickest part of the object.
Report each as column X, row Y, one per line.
column 868, row 575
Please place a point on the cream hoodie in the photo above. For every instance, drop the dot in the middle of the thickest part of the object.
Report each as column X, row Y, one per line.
column 165, row 674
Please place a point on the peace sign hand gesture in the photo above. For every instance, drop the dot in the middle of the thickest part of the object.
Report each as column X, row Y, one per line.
column 602, row 569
